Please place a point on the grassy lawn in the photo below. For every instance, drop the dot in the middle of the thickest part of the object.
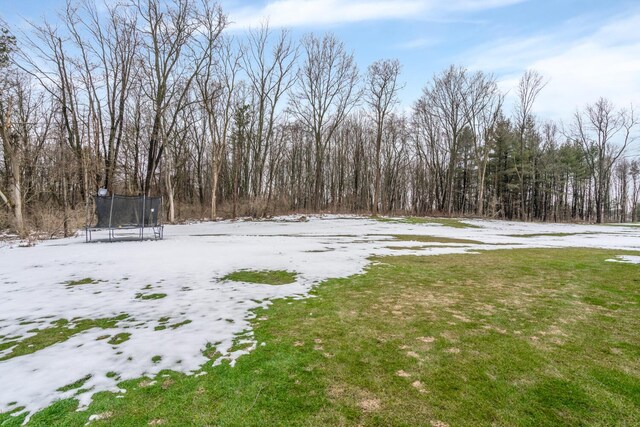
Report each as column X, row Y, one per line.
column 434, row 239
column 448, row 222
column 550, row 234
column 60, row 330
column 527, row 337
column 264, row 277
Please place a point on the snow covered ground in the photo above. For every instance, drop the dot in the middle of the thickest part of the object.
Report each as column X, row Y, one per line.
column 188, row 266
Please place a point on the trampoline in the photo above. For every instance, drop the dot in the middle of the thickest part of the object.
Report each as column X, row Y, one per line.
column 127, row 213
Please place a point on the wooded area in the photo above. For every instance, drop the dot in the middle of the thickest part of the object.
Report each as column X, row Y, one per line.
column 160, row 98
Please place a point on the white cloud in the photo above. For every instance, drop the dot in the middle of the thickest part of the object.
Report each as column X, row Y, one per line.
column 473, row 5
column 588, row 71
column 295, row 13
column 417, row 43
column 579, row 68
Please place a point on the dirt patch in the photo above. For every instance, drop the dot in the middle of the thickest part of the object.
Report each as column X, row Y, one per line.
column 101, row 416
column 403, row 374
column 370, row 405
column 462, row 318
column 146, row 383
column 449, row 336
column 553, row 330
column 335, row 392
column 157, row 422
column 418, row 386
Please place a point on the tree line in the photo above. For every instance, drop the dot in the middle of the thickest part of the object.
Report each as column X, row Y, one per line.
column 160, row 97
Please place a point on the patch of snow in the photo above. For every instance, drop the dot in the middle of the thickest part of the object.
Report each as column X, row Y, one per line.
column 188, row 266
column 627, row 259
column 98, row 417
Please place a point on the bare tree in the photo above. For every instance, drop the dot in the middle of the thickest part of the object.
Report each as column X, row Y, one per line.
column 603, row 133
column 622, row 175
column 482, row 107
column 9, row 85
column 176, row 36
column 108, row 42
column 45, row 56
column 325, row 94
column 10, row 89
column 634, row 171
column 529, row 87
column 381, row 96
column 446, row 96
column 153, row 82
column 269, row 70
column 216, row 85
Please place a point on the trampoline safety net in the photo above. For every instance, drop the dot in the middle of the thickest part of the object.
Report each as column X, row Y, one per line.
column 128, row 212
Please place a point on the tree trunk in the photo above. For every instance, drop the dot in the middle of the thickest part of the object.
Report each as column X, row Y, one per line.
column 375, row 209
column 214, row 187
column 17, row 194
column 318, row 175
column 170, row 196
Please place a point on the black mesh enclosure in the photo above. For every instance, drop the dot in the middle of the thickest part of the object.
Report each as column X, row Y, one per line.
column 127, row 211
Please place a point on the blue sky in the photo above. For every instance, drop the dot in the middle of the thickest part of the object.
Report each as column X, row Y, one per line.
column 585, row 48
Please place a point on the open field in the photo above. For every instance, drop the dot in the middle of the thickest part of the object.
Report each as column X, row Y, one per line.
column 334, row 321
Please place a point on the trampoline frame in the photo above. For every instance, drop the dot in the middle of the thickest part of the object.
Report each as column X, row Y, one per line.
column 156, row 226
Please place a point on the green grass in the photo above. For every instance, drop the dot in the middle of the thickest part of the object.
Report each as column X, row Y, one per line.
column 8, row 343
column 76, row 384
column 150, row 296
column 85, row 281
column 119, row 338
column 177, row 325
column 550, row 234
column 162, row 324
column 59, row 331
column 265, row 277
column 405, row 248
column 447, row 222
column 527, row 337
column 420, row 247
column 434, row 239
